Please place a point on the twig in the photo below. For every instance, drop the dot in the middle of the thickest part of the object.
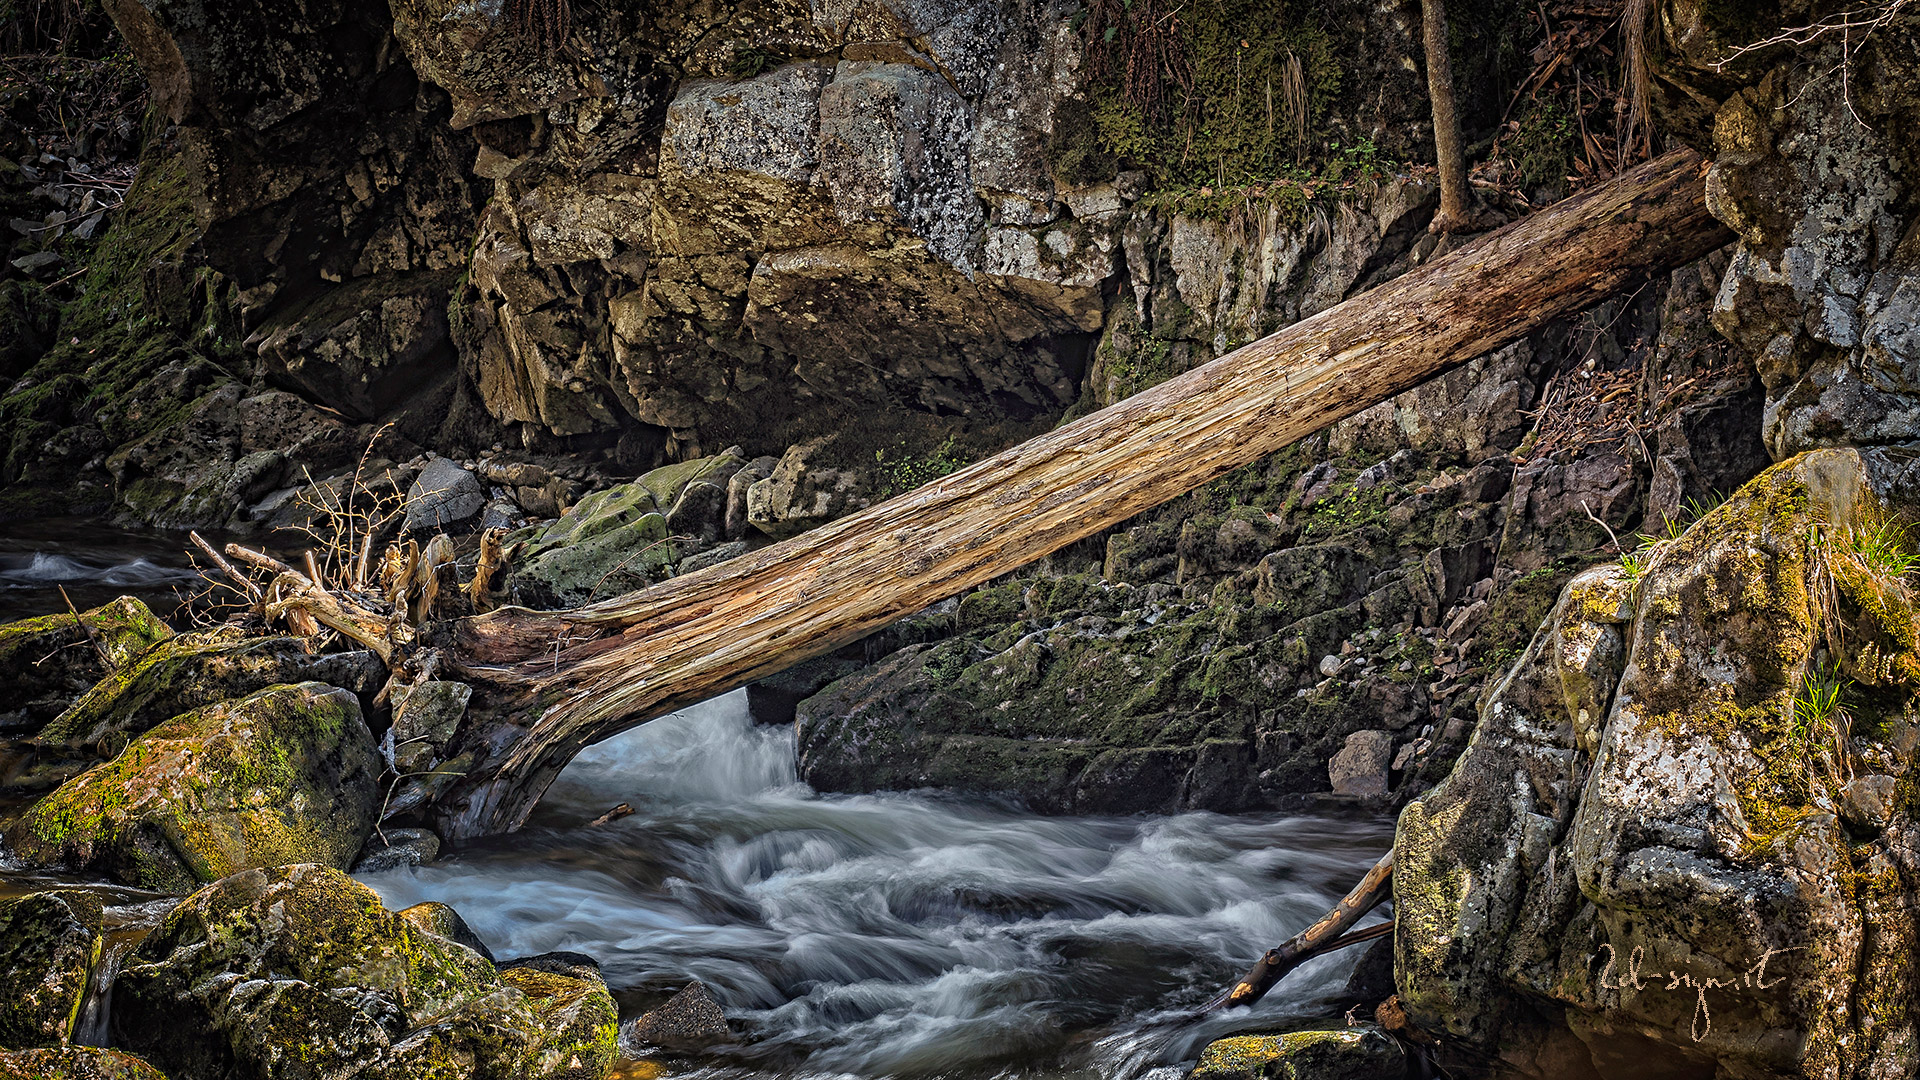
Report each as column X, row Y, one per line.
column 1617, row 546
column 1322, row 937
column 86, row 629
column 247, row 586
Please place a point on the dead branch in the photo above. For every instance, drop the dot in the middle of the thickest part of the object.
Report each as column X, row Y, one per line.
column 1322, row 937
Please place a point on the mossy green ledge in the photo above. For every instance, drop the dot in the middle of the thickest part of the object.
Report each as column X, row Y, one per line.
column 284, row 775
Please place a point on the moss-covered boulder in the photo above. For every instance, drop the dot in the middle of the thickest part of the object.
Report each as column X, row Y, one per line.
column 576, row 1010
column 299, row 971
column 284, row 775
column 49, row 943
column 46, row 662
column 612, row 541
column 1356, row 1053
column 1640, row 865
column 75, row 1063
column 199, row 669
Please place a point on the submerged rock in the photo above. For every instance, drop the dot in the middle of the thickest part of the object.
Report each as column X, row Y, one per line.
column 75, row 1063
column 284, row 775
column 298, row 971
column 1356, row 1053
column 48, row 661
column 49, row 943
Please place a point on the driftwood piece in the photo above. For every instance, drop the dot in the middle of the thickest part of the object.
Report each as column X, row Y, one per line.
column 548, row 684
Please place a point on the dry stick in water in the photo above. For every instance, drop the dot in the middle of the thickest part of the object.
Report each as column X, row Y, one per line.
column 1322, row 937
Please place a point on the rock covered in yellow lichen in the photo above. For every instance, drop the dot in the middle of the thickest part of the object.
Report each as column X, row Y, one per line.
column 1355, row 1053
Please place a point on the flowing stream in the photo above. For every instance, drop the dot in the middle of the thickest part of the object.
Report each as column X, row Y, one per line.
column 900, row 935
column 93, row 563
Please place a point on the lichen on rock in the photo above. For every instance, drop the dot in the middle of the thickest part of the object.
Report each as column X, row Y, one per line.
column 1640, row 860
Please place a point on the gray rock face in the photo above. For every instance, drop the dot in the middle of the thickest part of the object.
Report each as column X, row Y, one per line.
column 1648, row 793
column 1814, row 174
column 1360, row 768
column 443, row 496
column 803, row 492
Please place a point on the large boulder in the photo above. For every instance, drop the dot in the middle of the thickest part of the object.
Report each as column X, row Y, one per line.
column 299, row 972
column 49, row 944
column 197, row 669
column 47, row 661
column 287, row 774
column 1640, row 864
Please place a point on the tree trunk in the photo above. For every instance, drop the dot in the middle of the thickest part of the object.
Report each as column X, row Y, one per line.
column 549, row 683
column 1455, row 211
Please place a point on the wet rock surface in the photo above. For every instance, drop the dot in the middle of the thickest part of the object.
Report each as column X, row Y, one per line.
column 689, row 1021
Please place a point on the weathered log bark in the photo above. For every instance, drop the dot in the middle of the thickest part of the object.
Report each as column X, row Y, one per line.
column 1324, row 936
column 549, row 683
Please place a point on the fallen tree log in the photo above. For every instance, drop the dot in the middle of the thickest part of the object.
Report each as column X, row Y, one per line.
column 549, row 683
